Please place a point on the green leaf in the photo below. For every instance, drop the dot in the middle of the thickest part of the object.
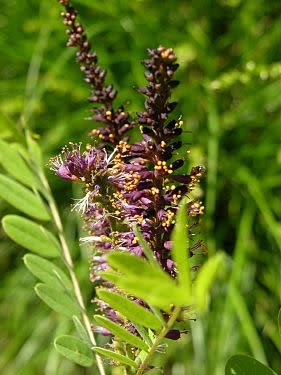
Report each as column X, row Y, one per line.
column 180, row 248
column 22, row 198
column 31, row 236
column 80, row 329
column 57, row 300
column 130, row 264
column 121, row 332
column 145, row 247
column 243, row 365
column 165, row 290
column 129, row 309
column 111, row 276
column 160, row 297
column 75, row 350
column 14, row 164
column 144, row 333
column 116, row 356
column 47, row 272
column 205, row 278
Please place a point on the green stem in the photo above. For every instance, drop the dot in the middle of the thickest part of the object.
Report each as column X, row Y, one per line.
column 69, row 262
column 158, row 340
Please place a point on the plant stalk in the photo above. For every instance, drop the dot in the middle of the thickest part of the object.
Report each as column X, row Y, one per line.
column 158, row 340
column 69, row 263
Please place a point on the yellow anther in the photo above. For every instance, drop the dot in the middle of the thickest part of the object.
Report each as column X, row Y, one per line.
column 135, row 241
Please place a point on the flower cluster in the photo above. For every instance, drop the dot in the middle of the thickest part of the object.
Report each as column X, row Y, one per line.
column 129, row 184
column 115, row 122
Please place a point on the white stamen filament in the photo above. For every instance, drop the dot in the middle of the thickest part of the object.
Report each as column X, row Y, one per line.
column 82, row 204
column 91, row 239
column 110, row 157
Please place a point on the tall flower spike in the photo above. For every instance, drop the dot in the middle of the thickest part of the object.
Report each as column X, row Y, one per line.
column 139, row 183
column 116, row 122
column 150, row 187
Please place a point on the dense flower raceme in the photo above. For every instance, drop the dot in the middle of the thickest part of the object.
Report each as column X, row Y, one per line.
column 127, row 184
column 115, row 122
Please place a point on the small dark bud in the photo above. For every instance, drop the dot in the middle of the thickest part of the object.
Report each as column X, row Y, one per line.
column 171, row 125
column 148, row 131
column 173, row 334
column 174, row 67
column 167, row 155
column 177, row 132
column 176, row 145
column 184, row 178
column 171, row 106
column 174, row 83
column 182, row 189
column 177, row 164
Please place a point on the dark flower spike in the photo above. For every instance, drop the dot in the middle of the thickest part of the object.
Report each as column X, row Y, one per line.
column 117, row 122
column 137, row 183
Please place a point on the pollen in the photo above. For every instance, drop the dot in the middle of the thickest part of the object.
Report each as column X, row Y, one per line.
column 162, row 166
column 169, row 219
column 196, row 208
column 135, row 241
column 95, row 132
column 154, row 190
column 123, row 146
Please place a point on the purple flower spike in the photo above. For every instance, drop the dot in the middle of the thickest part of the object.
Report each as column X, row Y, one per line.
column 140, row 183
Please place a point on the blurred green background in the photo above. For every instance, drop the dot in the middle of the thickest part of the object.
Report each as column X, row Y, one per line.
column 230, row 99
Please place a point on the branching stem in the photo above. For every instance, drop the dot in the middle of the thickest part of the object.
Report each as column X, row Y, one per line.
column 158, row 340
column 69, row 262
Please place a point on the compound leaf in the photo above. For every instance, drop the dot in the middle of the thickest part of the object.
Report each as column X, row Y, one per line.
column 121, row 332
column 116, row 356
column 31, row 236
column 75, row 350
column 241, row 364
column 47, row 272
column 57, row 300
column 129, row 309
column 22, row 198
